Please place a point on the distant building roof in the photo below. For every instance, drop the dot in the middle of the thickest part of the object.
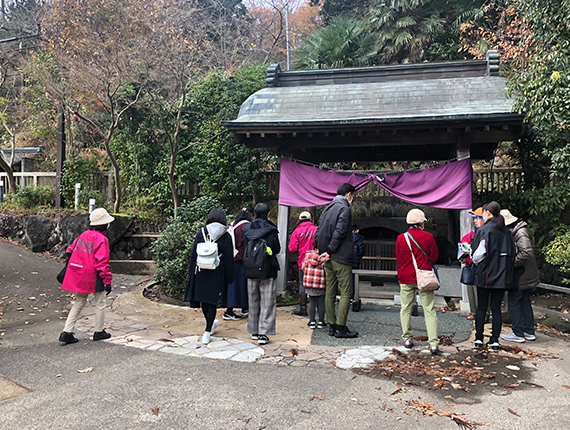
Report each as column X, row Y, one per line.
column 395, row 112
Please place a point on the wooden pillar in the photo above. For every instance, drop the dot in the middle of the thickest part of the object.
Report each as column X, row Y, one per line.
column 283, row 256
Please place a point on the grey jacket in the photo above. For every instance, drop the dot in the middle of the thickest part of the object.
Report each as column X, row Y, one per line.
column 525, row 256
column 334, row 233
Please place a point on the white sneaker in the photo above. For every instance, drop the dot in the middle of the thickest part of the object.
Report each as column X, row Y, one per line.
column 214, row 327
column 529, row 336
column 205, row 338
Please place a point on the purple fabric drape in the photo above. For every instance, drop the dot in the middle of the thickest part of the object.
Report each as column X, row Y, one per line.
column 447, row 186
column 301, row 185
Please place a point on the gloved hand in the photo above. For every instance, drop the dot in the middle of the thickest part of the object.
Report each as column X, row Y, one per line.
column 108, row 289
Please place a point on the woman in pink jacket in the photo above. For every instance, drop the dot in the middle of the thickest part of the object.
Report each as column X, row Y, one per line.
column 301, row 241
column 88, row 272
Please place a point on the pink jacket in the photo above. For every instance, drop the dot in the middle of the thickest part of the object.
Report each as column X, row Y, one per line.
column 468, row 238
column 90, row 254
column 302, row 240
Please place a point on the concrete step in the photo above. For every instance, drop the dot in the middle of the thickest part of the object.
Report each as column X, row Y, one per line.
column 133, row 267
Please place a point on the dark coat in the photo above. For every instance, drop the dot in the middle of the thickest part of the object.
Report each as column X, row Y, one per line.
column 334, row 233
column 496, row 270
column 264, row 229
column 359, row 248
column 207, row 285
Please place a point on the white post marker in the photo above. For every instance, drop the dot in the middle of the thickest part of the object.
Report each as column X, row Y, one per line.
column 91, row 205
column 77, row 189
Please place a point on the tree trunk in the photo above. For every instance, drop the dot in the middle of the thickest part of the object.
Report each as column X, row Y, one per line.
column 116, row 174
column 172, row 183
column 10, row 173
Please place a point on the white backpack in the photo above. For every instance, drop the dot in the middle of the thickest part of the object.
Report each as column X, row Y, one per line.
column 231, row 231
column 207, row 253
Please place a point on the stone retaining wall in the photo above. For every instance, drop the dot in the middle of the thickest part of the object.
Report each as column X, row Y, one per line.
column 54, row 235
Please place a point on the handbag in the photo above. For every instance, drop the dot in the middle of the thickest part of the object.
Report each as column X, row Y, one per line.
column 426, row 280
column 61, row 275
column 468, row 274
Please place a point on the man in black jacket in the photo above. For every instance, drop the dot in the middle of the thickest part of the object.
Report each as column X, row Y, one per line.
column 261, row 293
column 334, row 241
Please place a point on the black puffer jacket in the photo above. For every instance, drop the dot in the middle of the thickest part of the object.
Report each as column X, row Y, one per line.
column 496, row 270
column 264, row 229
column 334, row 233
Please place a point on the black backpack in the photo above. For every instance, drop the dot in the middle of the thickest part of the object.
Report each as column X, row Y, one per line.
column 256, row 260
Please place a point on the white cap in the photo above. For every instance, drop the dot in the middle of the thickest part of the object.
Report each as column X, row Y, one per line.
column 305, row 215
column 415, row 216
column 100, row 217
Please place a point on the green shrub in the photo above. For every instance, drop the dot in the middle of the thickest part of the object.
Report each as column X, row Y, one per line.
column 31, row 197
column 86, row 195
column 557, row 252
column 173, row 250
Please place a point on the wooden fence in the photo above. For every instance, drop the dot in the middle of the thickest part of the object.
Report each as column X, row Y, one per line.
column 498, row 179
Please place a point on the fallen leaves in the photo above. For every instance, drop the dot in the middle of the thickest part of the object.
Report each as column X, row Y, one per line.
column 427, row 409
column 154, row 410
column 513, row 412
column 316, row 397
column 87, row 370
column 566, row 386
column 294, row 352
column 304, row 411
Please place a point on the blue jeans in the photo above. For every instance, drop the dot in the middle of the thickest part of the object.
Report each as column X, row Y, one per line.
column 521, row 312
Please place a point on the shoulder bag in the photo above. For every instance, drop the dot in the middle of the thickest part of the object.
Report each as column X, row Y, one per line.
column 427, row 280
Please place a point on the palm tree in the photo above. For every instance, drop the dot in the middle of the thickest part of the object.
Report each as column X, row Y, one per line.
column 407, row 27
column 345, row 42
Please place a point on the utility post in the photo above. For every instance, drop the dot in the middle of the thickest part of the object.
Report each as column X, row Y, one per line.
column 59, row 203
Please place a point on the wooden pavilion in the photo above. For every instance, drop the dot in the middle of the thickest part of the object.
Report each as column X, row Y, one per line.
column 414, row 112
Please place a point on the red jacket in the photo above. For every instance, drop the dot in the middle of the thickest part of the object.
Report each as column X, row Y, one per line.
column 90, row 254
column 302, row 240
column 406, row 270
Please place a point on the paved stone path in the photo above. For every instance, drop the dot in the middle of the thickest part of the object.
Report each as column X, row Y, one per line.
column 135, row 334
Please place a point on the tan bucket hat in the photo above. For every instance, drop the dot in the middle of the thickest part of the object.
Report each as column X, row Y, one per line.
column 415, row 216
column 509, row 217
column 100, row 217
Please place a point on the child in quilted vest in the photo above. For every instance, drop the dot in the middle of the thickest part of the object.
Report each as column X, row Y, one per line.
column 314, row 283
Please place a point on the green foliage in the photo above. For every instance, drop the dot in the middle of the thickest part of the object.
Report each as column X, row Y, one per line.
column 557, row 252
column 541, row 86
column 76, row 169
column 332, row 8
column 172, row 251
column 345, row 42
column 540, row 208
column 30, row 198
column 217, row 164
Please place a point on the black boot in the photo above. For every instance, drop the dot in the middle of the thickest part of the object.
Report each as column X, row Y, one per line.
column 302, row 306
column 343, row 332
column 332, row 329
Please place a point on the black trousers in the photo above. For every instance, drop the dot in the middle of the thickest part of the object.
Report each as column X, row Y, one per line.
column 209, row 312
column 496, row 296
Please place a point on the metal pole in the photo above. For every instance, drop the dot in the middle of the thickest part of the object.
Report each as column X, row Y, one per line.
column 77, row 190
column 1, row 192
column 287, row 32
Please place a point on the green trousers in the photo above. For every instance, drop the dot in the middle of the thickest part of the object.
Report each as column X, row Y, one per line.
column 338, row 278
column 407, row 296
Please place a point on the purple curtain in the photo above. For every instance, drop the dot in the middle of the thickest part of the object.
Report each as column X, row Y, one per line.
column 447, row 186
column 301, row 185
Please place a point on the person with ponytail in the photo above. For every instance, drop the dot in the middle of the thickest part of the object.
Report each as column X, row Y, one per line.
column 493, row 252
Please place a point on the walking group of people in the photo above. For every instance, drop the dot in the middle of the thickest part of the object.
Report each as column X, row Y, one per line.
column 239, row 264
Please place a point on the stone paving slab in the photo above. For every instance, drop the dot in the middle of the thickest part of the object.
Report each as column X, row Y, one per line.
column 137, row 322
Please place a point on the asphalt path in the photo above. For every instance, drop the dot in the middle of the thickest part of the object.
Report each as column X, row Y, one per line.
column 128, row 388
